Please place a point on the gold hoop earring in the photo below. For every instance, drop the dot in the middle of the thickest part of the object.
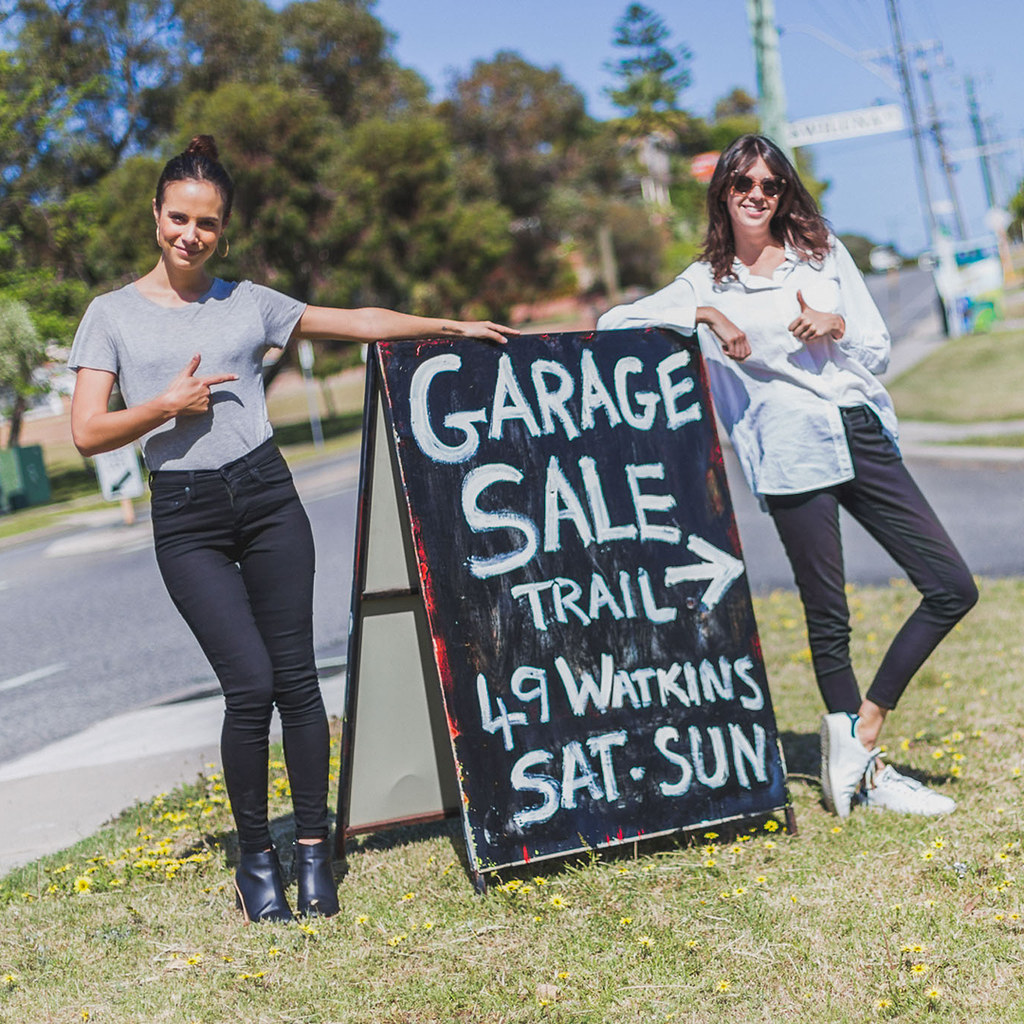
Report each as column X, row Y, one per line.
column 227, row 248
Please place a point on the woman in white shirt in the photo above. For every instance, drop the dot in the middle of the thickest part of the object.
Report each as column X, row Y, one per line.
column 791, row 338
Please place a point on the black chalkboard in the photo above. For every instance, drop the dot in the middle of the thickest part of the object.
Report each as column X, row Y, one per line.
column 583, row 582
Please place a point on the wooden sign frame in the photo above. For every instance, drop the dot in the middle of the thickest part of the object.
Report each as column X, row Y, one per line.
column 430, row 721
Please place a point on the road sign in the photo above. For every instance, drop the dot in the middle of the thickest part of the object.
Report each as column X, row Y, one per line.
column 850, row 124
column 119, row 474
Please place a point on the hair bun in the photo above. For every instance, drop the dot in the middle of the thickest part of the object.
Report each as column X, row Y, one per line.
column 202, row 145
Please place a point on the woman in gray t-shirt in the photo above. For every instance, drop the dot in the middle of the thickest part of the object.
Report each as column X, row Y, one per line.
column 233, row 542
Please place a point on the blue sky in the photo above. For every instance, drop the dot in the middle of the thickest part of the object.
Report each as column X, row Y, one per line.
column 873, row 187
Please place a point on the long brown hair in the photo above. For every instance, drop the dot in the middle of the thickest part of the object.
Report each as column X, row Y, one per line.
column 797, row 221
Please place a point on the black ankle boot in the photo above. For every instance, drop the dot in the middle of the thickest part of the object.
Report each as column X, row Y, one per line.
column 260, row 888
column 318, row 892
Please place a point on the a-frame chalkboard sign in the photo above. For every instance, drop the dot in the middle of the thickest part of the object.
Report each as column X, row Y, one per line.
column 552, row 632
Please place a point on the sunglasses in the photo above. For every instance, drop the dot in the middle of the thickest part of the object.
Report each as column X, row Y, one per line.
column 743, row 184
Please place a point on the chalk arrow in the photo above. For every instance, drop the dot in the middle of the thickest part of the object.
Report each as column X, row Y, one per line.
column 721, row 568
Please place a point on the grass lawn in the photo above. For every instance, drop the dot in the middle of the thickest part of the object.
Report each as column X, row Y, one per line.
column 969, row 379
column 881, row 918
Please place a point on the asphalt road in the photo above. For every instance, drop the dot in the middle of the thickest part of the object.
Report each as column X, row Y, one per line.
column 88, row 634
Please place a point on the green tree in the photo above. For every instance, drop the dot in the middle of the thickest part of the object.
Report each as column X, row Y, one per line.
column 523, row 134
column 227, row 41
column 410, row 237
column 652, row 74
column 340, row 50
column 22, row 353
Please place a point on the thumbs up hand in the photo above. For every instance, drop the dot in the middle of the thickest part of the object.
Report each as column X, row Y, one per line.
column 189, row 395
column 813, row 325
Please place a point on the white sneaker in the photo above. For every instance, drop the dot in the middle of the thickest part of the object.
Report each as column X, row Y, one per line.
column 891, row 791
column 844, row 760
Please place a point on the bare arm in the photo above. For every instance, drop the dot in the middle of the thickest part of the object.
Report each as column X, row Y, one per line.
column 96, row 430
column 733, row 341
column 375, row 324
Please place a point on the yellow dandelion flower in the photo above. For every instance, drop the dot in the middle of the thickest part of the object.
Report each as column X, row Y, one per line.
column 557, row 902
column 85, row 1014
column 427, row 925
column 82, row 884
column 693, row 944
column 939, row 843
column 771, row 826
column 625, row 921
column 770, row 844
column 836, row 829
column 408, row 896
column 710, row 835
column 9, row 980
column 957, row 756
column 724, row 985
column 192, row 961
column 622, row 871
column 1016, row 773
column 956, row 771
column 537, row 917
column 739, row 891
column 927, row 855
column 273, row 951
column 710, row 862
column 397, row 940
column 562, row 975
column 919, row 969
column 938, row 754
column 883, row 1004
column 761, row 880
column 644, row 941
column 362, row 919
column 933, row 994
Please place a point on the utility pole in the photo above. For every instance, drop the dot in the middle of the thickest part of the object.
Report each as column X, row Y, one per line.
column 771, row 94
column 979, row 140
column 947, row 166
column 930, row 226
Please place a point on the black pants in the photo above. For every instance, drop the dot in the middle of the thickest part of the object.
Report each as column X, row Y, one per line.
column 235, row 550
column 884, row 499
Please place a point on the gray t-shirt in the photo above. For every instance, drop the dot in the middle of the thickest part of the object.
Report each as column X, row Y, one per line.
column 147, row 345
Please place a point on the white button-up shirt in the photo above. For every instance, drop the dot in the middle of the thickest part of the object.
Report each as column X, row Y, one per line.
column 781, row 404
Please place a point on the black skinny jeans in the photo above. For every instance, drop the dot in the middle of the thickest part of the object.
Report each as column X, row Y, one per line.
column 235, row 550
column 884, row 499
